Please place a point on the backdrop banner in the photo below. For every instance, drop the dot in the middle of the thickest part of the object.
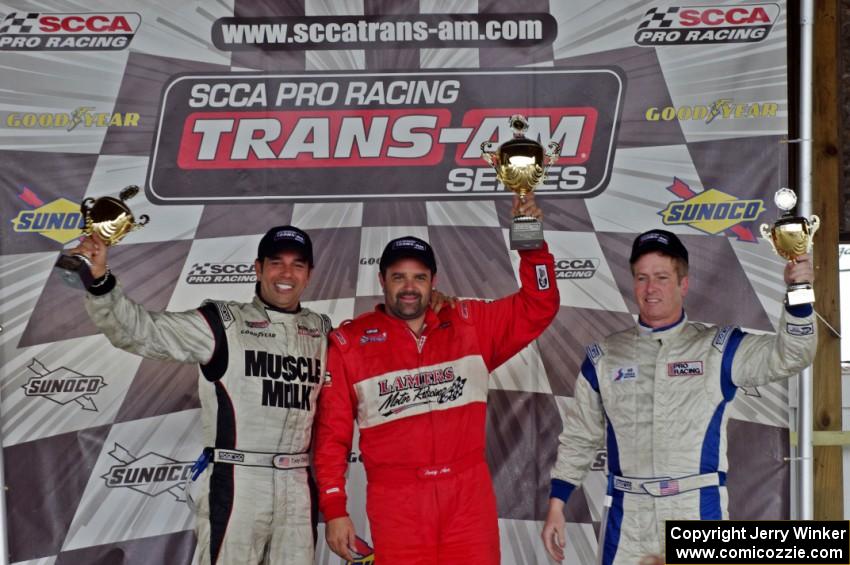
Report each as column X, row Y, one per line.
column 361, row 121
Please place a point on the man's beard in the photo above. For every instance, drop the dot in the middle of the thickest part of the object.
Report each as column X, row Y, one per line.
column 407, row 311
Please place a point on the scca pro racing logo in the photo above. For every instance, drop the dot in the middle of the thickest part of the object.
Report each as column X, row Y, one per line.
column 63, row 385
column 33, row 31
column 569, row 269
column 711, row 211
column 60, row 220
column 697, row 25
column 151, row 474
column 221, row 273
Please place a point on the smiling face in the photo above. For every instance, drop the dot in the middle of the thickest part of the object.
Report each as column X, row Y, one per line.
column 407, row 286
column 659, row 289
column 282, row 279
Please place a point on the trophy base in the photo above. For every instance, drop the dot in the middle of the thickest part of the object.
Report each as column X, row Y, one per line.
column 526, row 233
column 75, row 270
column 800, row 294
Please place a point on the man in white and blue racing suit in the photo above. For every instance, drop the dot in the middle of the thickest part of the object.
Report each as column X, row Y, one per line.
column 261, row 369
column 656, row 396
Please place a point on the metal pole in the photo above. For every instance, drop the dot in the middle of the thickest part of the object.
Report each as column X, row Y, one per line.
column 804, row 383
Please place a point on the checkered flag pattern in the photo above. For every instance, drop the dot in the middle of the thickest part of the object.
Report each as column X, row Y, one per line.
column 14, row 23
column 77, row 508
column 659, row 18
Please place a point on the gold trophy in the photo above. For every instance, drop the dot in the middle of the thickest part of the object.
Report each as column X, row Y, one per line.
column 791, row 236
column 520, row 165
column 109, row 218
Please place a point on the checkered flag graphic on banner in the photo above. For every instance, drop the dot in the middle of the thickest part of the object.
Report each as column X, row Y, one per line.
column 657, row 18
column 14, row 23
column 199, row 269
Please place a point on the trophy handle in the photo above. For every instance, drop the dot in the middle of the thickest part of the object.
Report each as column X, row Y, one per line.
column 128, row 192
column 143, row 220
column 487, row 154
column 767, row 234
column 814, row 224
column 553, row 153
column 86, row 205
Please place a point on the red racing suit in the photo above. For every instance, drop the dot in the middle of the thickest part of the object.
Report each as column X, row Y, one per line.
column 421, row 405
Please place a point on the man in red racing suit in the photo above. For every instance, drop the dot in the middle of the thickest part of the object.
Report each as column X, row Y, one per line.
column 417, row 382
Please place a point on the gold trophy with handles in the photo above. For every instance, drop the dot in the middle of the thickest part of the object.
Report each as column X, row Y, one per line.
column 111, row 219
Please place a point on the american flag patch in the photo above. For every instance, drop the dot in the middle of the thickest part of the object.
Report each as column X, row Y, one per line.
column 669, row 487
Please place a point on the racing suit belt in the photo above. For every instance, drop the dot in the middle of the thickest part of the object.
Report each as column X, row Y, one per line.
column 283, row 461
column 666, row 486
column 427, row 472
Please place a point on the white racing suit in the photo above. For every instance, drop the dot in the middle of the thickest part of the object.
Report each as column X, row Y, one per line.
column 261, row 372
column 659, row 398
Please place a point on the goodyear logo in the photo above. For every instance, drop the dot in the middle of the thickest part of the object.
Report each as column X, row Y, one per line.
column 60, row 220
column 711, row 211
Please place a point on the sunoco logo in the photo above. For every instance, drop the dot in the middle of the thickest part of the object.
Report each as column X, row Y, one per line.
column 697, row 25
column 84, row 117
column 32, row 31
column 63, row 385
column 711, row 211
column 151, row 474
column 221, row 273
column 567, row 269
column 60, row 220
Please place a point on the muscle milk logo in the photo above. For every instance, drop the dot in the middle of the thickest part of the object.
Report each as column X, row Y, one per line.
column 569, row 269
column 406, row 391
column 343, row 134
column 60, row 220
column 151, row 474
column 63, row 385
column 33, row 31
column 82, row 117
column 711, row 211
column 722, row 109
column 698, row 25
column 221, row 273
column 287, row 380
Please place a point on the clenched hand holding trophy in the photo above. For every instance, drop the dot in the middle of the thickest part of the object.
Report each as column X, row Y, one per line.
column 521, row 165
column 111, row 220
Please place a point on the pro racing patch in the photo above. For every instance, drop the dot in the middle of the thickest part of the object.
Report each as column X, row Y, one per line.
column 684, row 368
column 799, row 329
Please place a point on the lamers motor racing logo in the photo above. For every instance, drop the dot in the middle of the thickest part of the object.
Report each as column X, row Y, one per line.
column 341, row 136
column 33, row 31
column 696, row 25
column 151, row 474
column 408, row 391
column 63, row 385
column 711, row 211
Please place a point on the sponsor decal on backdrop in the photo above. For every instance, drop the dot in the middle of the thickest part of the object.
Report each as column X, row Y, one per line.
column 151, row 474
column 63, row 385
column 722, row 109
column 701, row 25
column 82, row 117
column 581, row 268
column 711, row 211
column 384, row 31
column 92, row 31
column 221, row 273
column 59, row 220
column 340, row 136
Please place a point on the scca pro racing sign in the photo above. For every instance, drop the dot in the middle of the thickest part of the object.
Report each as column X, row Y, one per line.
column 698, row 25
column 327, row 137
column 34, row 31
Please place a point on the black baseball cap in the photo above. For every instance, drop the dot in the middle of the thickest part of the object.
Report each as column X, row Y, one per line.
column 408, row 247
column 663, row 241
column 286, row 238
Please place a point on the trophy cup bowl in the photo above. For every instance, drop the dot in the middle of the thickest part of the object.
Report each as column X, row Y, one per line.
column 791, row 236
column 520, row 165
column 111, row 219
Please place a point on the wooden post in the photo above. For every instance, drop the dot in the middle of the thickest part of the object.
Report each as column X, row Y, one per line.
column 828, row 474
